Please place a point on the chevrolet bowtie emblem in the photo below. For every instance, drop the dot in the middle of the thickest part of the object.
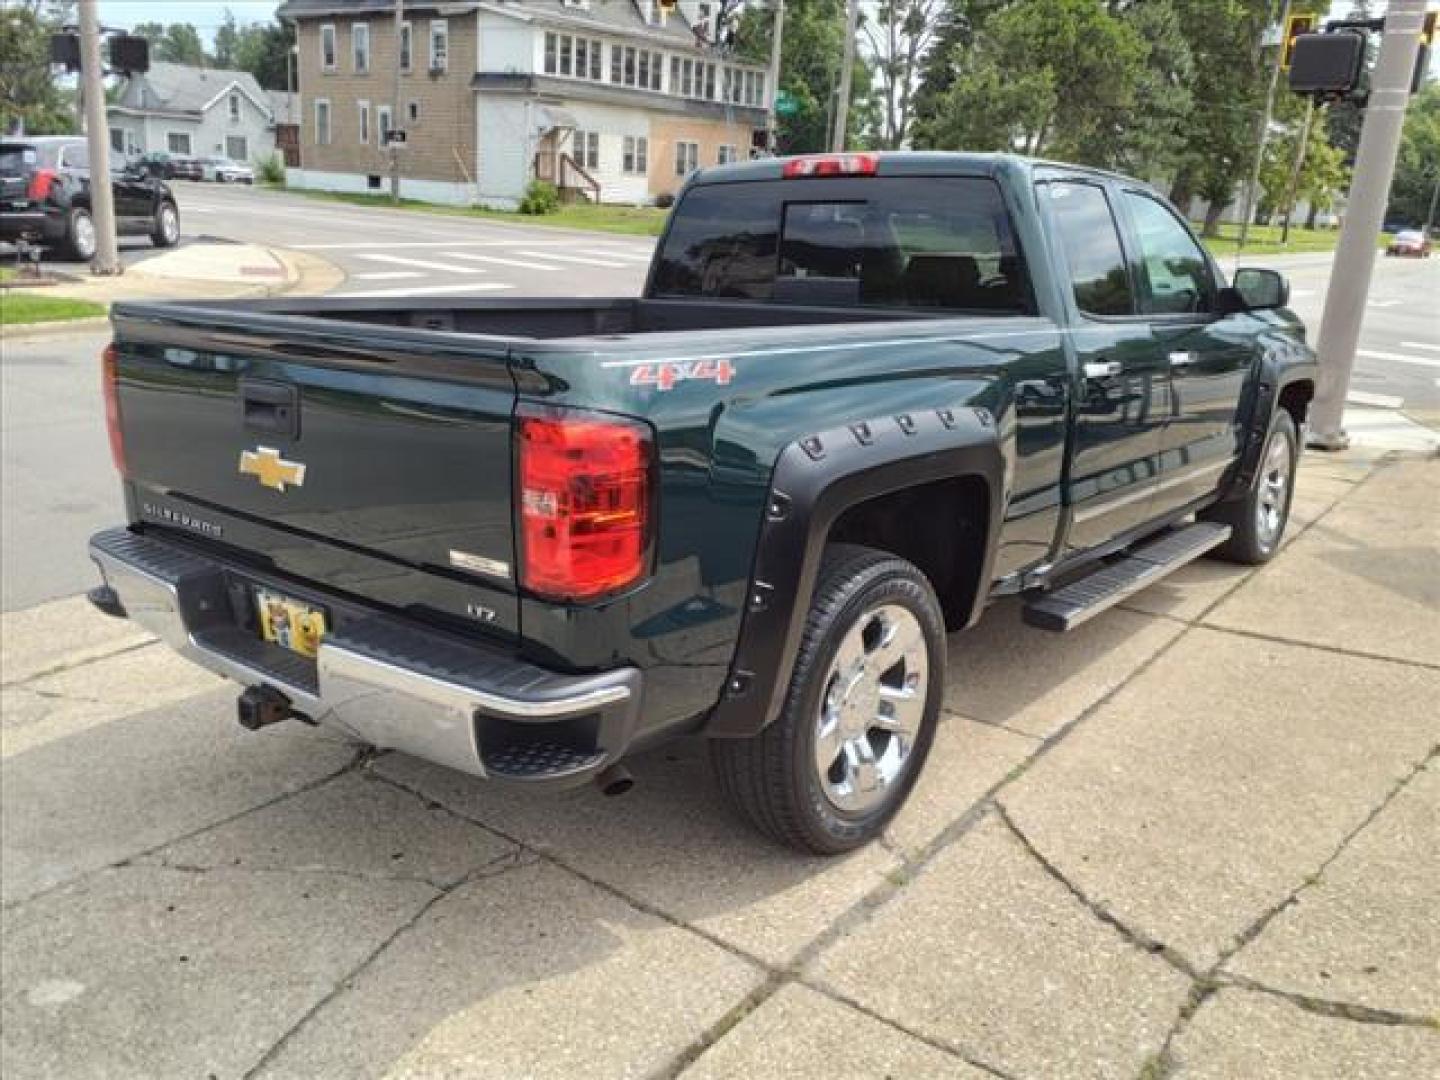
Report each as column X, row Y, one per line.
column 272, row 470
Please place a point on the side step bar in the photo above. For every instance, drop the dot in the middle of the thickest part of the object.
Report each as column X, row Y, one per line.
column 1068, row 607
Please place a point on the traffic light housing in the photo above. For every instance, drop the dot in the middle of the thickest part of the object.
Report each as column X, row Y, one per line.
column 1294, row 27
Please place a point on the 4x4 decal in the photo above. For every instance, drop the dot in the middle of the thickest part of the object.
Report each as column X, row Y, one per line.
column 667, row 374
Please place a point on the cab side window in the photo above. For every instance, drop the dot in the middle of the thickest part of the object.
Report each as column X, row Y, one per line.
column 1176, row 278
column 1093, row 254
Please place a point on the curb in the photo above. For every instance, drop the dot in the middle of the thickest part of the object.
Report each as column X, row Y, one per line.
column 58, row 328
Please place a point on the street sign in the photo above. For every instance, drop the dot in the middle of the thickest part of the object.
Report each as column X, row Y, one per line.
column 395, row 138
column 785, row 104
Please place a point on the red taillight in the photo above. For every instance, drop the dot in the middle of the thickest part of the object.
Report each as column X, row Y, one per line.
column 832, row 165
column 584, row 484
column 110, row 384
column 39, row 189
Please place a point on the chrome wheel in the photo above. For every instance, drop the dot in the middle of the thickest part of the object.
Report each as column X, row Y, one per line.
column 1274, row 494
column 82, row 235
column 872, row 708
column 169, row 224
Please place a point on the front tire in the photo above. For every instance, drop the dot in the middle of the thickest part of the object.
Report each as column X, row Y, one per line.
column 165, row 232
column 80, row 240
column 1258, row 520
column 860, row 713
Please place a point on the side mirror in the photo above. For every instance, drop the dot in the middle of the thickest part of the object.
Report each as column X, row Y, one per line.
column 1262, row 290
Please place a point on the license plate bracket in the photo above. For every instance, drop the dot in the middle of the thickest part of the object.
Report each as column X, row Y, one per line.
column 291, row 624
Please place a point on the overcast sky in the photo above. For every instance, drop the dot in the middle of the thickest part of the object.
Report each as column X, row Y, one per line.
column 205, row 15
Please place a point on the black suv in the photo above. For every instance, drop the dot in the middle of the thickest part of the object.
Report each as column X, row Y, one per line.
column 45, row 198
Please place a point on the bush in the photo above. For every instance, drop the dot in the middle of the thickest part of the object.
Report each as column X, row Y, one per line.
column 540, row 198
column 270, row 170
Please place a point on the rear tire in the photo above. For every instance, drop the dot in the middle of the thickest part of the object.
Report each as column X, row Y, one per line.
column 860, row 713
column 165, row 231
column 1258, row 519
column 80, row 238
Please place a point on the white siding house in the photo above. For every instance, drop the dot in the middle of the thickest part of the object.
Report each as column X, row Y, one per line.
column 196, row 111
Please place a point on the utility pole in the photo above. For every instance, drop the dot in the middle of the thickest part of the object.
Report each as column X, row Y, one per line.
column 395, row 104
column 1434, row 201
column 1292, row 189
column 102, row 197
column 1364, row 214
column 847, row 66
column 1262, row 134
column 777, row 34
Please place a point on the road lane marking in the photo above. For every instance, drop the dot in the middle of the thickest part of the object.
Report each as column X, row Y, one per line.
column 1379, row 401
column 423, row 264
column 1420, row 345
column 360, row 245
column 584, row 260
column 1377, row 354
column 388, row 275
column 424, row 290
column 472, row 257
column 615, row 254
column 1385, row 303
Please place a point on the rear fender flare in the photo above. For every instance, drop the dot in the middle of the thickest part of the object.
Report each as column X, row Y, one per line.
column 816, row 479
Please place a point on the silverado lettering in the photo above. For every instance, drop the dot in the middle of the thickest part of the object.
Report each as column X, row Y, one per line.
column 537, row 536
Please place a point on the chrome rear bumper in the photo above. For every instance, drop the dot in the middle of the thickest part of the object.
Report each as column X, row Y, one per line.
column 381, row 679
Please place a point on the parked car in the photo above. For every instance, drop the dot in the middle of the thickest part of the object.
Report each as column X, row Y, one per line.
column 45, row 198
column 222, row 170
column 861, row 397
column 167, row 166
column 1410, row 242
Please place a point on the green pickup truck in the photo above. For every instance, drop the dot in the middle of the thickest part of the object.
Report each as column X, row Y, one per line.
column 861, row 397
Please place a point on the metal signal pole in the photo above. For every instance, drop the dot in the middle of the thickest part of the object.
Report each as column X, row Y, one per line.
column 395, row 103
column 1364, row 214
column 847, row 67
column 776, row 36
column 102, row 196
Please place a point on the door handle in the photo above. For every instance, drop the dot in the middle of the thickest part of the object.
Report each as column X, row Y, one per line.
column 1183, row 359
column 1103, row 369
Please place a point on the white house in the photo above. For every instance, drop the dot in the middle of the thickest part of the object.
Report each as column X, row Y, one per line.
column 202, row 112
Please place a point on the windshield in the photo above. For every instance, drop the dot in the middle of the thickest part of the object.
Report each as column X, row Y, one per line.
column 17, row 160
column 902, row 242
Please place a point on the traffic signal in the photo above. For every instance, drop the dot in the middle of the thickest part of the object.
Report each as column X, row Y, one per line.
column 129, row 54
column 1294, row 27
column 1330, row 65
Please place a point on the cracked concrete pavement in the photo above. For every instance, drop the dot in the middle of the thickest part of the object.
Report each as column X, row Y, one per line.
column 1199, row 837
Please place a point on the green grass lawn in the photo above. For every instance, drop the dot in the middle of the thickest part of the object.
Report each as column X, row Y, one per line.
column 24, row 306
column 630, row 220
column 1265, row 240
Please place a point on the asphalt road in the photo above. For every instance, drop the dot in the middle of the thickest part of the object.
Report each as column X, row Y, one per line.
column 59, row 486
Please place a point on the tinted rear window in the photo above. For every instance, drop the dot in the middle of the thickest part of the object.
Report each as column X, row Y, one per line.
column 17, row 160
column 915, row 243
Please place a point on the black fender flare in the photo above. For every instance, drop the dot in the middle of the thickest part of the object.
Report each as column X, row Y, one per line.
column 816, row 479
column 1275, row 372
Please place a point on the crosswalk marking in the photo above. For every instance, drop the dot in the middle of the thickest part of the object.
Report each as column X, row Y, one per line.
column 470, row 256
column 389, row 275
column 425, row 290
column 582, row 259
column 1377, row 354
column 401, row 260
column 1420, row 345
column 1379, row 401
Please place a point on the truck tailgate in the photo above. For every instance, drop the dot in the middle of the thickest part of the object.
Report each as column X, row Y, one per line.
column 371, row 460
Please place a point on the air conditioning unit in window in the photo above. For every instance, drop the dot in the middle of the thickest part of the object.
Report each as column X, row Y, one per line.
column 438, row 68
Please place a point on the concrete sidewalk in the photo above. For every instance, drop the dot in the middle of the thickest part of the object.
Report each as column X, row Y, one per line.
column 1198, row 837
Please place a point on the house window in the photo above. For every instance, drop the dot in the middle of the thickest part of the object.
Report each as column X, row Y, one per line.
column 439, row 45
column 629, row 65
column 635, row 159
column 117, row 140
column 384, row 118
column 709, row 82
column 567, row 51
column 687, row 77
column 725, row 155
column 616, row 56
column 407, row 45
column 552, row 53
column 687, row 158
column 360, row 47
column 237, row 148
column 364, row 123
column 178, row 142
column 412, row 111
column 674, row 74
column 322, row 124
column 327, row 48
column 587, row 149
column 234, row 108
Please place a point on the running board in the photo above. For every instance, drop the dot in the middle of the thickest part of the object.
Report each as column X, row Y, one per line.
column 1068, row 607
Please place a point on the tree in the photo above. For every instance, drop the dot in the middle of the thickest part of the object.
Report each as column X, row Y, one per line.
column 178, row 43
column 1323, row 173
column 1149, row 139
column 30, row 100
column 811, row 53
column 264, row 51
column 899, row 39
column 1417, row 169
column 227, row 42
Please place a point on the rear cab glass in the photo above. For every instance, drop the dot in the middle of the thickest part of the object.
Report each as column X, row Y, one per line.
column 906, row 242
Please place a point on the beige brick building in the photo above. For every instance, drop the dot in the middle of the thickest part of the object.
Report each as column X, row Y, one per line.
column 602, row 97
